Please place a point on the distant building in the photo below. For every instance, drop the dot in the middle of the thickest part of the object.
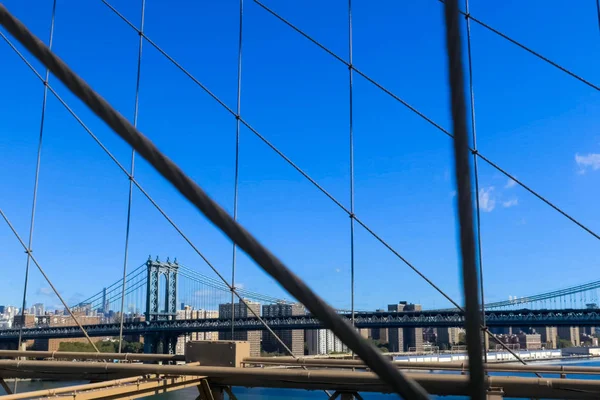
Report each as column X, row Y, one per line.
column 405, row 339
column 38, row 309
column 447, row 336
column 293, row 339
column 323, row 341
column 188, row 312
column 570, row 333
column 380, row 334
column 549, row 335
column 531, row 341
column 240, row 310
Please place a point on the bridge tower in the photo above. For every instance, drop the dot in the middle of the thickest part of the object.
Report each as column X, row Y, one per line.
column 161, row 303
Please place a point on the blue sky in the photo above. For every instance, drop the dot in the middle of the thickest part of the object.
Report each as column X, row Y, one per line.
column 533, row 120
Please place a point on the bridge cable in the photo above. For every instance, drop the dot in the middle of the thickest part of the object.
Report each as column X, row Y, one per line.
column 465, row 201
column 143, row 191
column 303, row 173
column 237, row 158
column 172, row 223
column 414, row 110
column 351, row 140
column 130, row 198
column 289, row 161
column 311, row 180
column 598, row 11
column 396, row 380
column 476, row 176
column 14, row 231
column 529, row 50
column 35, row 188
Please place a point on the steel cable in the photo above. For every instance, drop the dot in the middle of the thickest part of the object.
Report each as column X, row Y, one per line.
column 476, row 175
column 237, row 157
column 351, row 145
column 36, row 184
column 465, row 201
column 140, row 188
column 529, row 50
column 420, row 114
column 305, row 175
column 130, row 197
column 14, row 231
column 189, row 189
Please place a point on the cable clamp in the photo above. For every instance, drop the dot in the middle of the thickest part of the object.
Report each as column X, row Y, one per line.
column 475, row 152
column 352, row 215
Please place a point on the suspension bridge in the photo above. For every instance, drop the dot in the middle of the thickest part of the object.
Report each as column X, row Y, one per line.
column 146, row 300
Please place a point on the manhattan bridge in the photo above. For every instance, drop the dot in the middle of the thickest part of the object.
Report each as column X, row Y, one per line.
column 144, row 300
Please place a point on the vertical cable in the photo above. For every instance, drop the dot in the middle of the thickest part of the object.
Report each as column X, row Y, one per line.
column 598, row 11
column 351, row 137
column 476, row 174
column 35, row 186
column 237, row 158
column 465, row 201
column 135, row 120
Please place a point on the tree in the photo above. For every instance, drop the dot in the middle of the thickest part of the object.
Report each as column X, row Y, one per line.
column 562, row 343
column 133, row 347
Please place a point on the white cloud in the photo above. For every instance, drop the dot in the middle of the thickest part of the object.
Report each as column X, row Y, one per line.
column 45, row 291
column 510, row 203
column 487, row 202
column 510, row 184
column 453, row 193
column 338, row 270
column 588, row 161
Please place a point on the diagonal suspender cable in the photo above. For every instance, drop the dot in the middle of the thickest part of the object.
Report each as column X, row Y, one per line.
column 396, row 380
column 36, row 182
column 237, row 159
column 465, row 201
column 290, row 162
column 130, row 198
column 351, row 142
column 160, row 210
column 143, row 191
column 305, row 175
column 529, row 50
column 14, row 231
column 423, row 116
column 476, row 175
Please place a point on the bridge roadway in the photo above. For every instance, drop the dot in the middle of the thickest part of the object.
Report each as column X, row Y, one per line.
column 524, row 317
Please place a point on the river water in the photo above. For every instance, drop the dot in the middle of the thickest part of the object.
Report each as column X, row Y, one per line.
column 280, row 394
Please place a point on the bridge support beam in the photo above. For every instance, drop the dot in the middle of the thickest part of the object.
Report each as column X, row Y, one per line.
column 160, row 343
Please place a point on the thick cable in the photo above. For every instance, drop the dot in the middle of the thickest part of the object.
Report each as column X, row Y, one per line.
column 14, row 231
column 351, row 145
column 420, row 114
column 531, row 51
column 465, row 201
column 237, row 158
column 132, row 173
column 302, row 172
column 397, row 381
column 142, row 190
column 181, row 233
column 476, row 176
